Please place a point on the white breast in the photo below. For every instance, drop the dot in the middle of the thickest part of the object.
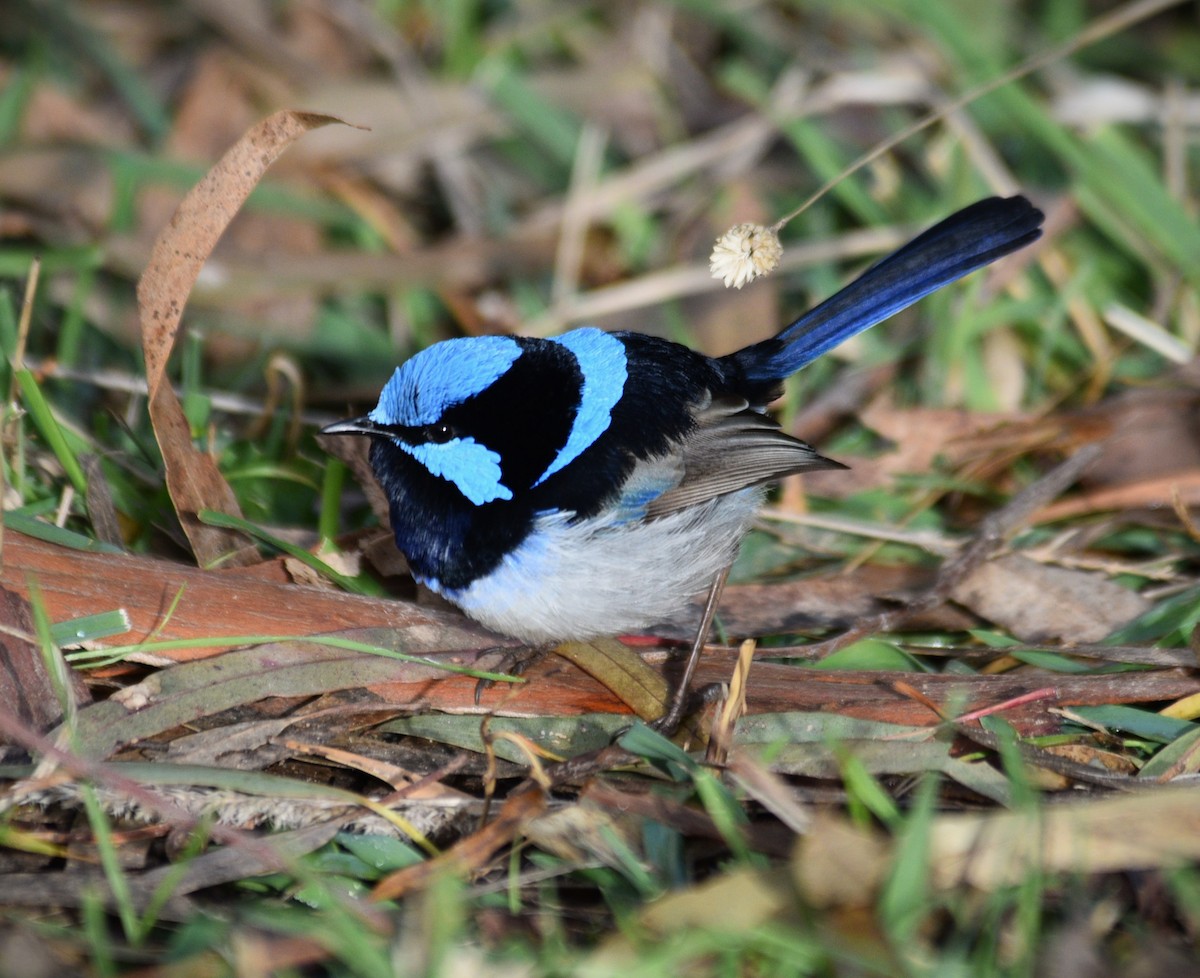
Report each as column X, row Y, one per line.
column 606, row 577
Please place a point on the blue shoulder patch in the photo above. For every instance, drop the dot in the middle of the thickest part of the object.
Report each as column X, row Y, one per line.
column 602, row 362
column 445, row 374
column 646, row 483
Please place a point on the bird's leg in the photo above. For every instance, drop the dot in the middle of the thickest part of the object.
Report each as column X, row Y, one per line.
column 671, row 719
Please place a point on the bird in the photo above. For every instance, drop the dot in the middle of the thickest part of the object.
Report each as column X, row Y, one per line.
column 595, row 483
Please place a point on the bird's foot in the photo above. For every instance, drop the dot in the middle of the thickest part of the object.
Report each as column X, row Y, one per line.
column 684, row 703
column 513, row 662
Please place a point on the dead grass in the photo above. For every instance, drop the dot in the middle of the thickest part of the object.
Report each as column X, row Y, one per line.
column 967, row 739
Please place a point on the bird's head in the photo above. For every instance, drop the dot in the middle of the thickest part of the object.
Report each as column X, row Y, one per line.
column 496, row 416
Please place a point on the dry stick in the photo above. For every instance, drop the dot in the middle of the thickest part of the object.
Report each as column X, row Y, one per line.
column 1099, row 29
column 585, row 765
column 98, row 500
column 1135, row 654
column 451, row 166
column 572, row 240
column 1038, row 757
column 993, row 532
column 18, row 358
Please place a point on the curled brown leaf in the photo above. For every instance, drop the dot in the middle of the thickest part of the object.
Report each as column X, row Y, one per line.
column 193, row 479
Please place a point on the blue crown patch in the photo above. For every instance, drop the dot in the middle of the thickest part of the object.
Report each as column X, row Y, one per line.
column 437, row 378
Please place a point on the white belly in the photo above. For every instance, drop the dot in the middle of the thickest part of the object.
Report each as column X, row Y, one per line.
column 603, row 577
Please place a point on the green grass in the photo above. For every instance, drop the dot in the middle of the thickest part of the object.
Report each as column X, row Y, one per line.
column 708, row 888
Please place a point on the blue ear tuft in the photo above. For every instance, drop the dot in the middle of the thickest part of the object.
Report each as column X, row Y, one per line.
column 602, row 362
column 472, row 467
column 441, row 376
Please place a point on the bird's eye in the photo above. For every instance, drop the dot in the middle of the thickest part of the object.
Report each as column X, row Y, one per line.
column 439, row 433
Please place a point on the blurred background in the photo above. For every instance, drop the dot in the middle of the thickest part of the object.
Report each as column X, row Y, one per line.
column 529, row 166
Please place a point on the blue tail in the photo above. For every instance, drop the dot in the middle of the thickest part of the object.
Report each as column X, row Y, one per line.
column 963, row 242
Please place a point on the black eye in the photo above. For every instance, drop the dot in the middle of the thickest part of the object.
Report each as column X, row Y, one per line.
column 440, row 433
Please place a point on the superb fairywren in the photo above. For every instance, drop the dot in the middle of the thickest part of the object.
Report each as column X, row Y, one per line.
column 593, row 483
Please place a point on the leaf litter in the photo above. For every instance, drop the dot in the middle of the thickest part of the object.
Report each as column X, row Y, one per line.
column 296, row 707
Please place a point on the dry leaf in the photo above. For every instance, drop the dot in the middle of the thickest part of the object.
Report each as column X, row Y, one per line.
column 193, row 479
column 1039, row 602
column 468, row 854
column 176, row 697
column 583, row 833
column 918, row 436
column 1157, row 493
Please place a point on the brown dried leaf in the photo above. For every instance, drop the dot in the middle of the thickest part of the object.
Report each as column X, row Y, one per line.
column 195, row 483
column 193, row 479
column 1039, row 602
column 470, row 853
column 771, row 791
column 740, row 901
column 201, row 218
column 919, row 437
column 251, row 745
column 1147, row 434
column 217, row 104
column 583, row 833
column 737, row 901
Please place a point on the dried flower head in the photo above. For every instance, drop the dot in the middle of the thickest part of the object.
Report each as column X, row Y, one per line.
column 743, row 253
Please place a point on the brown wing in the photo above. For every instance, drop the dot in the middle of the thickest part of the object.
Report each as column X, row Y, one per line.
column 734, row 447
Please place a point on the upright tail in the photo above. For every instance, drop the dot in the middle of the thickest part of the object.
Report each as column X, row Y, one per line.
column 969, row 239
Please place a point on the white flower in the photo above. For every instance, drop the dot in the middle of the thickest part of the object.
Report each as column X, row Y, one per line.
column 743, row 253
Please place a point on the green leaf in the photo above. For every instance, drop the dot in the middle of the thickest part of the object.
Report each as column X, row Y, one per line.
column 43, row 419
column 1140, row 723
column 381, row 852
column 356, row 585
column 564, row 736
column 870, row 653
column 905, row 900
column 41, row 530
column 659, row 751
column 1180, row 756
column 87, row 628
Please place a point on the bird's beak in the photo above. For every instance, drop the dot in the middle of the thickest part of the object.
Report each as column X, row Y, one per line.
column 355, row 426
